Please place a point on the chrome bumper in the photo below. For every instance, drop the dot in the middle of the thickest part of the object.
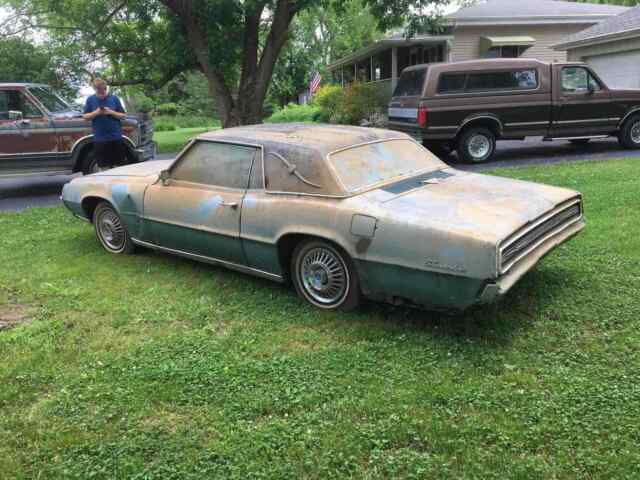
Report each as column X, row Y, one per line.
column 504, row 283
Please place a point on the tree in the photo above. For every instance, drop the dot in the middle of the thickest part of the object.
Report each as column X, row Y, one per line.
column 24, row 61
column 235, row 43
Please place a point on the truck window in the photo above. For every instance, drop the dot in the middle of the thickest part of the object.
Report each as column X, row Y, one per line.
column 578, row 80
column 452, row 82
column 506, row 80
column 410, row 83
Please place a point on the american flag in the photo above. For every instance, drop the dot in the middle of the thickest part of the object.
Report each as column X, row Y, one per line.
column 315, row 83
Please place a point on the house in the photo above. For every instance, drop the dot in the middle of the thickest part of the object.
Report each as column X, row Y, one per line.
column 612, row 48
column 495, row 28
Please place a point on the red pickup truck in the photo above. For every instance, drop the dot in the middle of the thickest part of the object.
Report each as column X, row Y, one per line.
column 41, row 134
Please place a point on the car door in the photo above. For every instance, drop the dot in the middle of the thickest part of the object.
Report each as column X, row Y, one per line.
column 583, row 104
column 197, row 208
column 29, row 143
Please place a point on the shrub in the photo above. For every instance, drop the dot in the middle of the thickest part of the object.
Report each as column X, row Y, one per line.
column 167, row 109
column 294, row 113
column 329, row 100
column 163, row 125
column 361, row 103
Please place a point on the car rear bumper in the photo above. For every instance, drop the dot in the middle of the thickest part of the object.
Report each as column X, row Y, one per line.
column 493, row 290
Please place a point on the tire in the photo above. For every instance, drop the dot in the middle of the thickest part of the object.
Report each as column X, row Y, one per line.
column 629, row 136
column 476, row 145
column 313, row 265
column 111, row 232
column 579, row 142
column 89, row 163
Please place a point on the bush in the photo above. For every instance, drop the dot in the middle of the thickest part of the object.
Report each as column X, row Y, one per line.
column 167, row 109
column 329, row 100
column 163, row 126
column 361, row 103
column 294, row 113
column 173, row 122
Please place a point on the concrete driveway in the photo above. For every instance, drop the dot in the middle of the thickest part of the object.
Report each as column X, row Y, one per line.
column 16, row 195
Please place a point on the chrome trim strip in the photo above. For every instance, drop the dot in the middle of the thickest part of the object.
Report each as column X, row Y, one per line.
column 525, row 124
column 210, row 260
column 37, row 154
column 45, row 173
column 589, row 120
column 556, row 211
column 448, row 127
column 73, row 147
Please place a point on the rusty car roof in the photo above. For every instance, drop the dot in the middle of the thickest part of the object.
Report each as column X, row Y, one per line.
column 295, row 154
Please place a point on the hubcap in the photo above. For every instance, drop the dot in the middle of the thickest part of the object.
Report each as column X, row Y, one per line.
column 111, row 230
column 479, row 146
column 324, row 275
column 635, row 132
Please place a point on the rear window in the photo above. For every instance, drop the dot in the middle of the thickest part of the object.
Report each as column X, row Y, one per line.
column 488, row 81
column 410, row 83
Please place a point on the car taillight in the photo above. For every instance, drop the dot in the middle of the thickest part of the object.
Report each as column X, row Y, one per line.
column 422, row 116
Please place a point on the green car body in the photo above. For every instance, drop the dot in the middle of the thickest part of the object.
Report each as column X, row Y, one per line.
column 412, row 229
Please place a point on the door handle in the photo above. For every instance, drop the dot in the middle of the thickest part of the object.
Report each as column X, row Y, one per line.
column 233, row 205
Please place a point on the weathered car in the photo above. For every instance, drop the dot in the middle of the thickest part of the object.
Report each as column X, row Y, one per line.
column 467, row 106
column 41, row 134
column 343, row 212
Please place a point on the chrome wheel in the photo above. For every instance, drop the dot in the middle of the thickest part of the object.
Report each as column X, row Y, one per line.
column 635, row 133
column 110, row 230
column 479, row 146
column 324, row 276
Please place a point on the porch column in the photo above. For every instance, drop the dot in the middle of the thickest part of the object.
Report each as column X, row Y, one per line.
column 394, row 67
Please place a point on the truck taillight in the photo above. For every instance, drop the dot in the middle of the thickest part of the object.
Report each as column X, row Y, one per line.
column 422, row 116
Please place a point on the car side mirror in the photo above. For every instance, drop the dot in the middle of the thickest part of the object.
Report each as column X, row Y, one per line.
column 164, row 177
column 591, row 89
column 15, row 115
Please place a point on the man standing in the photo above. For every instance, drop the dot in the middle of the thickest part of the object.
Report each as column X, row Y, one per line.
column 105, row 112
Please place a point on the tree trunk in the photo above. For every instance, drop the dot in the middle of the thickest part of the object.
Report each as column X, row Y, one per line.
column 247, row 108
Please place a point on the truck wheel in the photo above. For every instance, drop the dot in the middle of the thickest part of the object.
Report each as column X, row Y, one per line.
column 324, row 276
column 629, row 136
column 476, row 145
column 89, row 163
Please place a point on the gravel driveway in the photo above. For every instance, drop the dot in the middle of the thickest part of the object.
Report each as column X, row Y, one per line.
column 16, row 195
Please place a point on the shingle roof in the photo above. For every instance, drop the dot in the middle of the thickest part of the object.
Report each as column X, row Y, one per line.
column 627, row 21
column 538, row 8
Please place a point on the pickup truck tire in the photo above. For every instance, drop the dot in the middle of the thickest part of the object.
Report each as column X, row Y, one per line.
column 89, row 163
column 629, row 136
column 579, row 141
column 476, row 145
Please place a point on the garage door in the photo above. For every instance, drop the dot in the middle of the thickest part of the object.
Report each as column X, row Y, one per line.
column 618, row 70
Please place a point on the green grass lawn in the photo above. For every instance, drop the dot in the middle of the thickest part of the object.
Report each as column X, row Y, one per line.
column 173, row 141
column 155, row 367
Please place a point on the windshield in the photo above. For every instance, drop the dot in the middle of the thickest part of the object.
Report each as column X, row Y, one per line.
column 367, row 165
column 410, row 83
column 49, row 99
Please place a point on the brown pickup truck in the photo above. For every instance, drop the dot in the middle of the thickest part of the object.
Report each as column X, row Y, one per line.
column 41, row 134
column 467, row 106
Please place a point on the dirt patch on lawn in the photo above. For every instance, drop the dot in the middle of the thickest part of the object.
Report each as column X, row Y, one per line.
column 14, row 314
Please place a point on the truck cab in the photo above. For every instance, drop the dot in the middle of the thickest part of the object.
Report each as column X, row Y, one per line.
column 468, row 106
column 43, row 135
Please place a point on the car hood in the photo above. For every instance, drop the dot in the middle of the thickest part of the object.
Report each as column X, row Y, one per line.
column 142, row 169
column 483, row 206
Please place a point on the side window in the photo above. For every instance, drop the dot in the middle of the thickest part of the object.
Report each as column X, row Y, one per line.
column 216, row 164
column 29, row 110
column 4, row 106
column 452, row 82
column 256, row 182
column 507, row 80
column 13, row 100
column 578, row 80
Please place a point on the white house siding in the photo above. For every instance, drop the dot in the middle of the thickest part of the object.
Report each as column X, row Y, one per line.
column 466, row 43
column 581, row 53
